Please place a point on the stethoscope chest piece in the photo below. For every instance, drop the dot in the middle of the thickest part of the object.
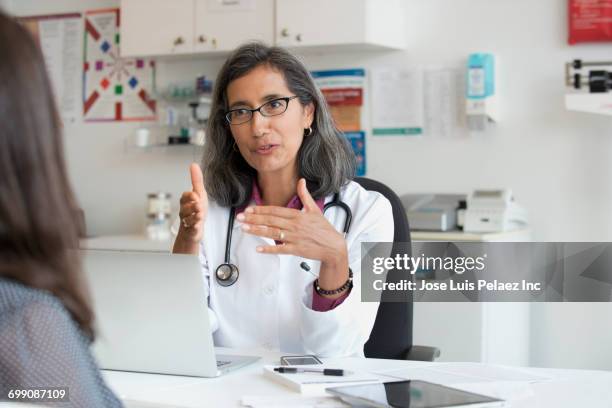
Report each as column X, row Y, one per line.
column 226, row 274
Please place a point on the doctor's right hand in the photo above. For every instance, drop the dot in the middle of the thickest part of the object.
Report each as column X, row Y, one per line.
column 194, row 208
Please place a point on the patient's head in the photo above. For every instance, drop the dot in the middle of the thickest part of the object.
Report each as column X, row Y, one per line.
column 38, row 211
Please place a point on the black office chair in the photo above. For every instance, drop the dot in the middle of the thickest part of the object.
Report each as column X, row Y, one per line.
column 391, row 336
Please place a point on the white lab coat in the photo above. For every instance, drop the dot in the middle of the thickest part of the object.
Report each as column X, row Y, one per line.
column 270, row 304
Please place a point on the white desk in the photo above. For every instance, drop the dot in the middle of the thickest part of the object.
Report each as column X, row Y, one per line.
column 566, row 388
column 126, row 243
column 519, row 235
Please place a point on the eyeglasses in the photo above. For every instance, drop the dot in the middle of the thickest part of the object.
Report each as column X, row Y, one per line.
column 271, row 108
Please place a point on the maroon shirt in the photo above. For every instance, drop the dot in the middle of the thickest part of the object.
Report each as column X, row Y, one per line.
column 319, row 303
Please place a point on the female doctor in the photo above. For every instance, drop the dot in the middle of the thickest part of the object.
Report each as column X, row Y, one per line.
column 286, row 274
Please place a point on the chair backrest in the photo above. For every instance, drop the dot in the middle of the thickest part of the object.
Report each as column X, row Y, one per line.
column 391, row 336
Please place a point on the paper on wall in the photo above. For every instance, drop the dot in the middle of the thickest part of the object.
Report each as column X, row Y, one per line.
column 60, row 37
column 397, row 101
column 114, row 88
column 443, row 93
column 357, row 141
column 343, row 90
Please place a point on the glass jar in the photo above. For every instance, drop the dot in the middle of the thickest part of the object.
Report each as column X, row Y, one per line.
column 159, row 211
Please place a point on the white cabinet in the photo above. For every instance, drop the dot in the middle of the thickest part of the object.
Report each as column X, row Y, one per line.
column 486, row 332
column 176, row 27
column 223, row 25
column 156, row 27
column 164, row 27
column 356, row 23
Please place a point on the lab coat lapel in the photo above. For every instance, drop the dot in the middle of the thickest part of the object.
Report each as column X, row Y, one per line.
column 238, row 230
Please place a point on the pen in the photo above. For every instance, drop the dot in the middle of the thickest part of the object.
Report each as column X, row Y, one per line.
column 294, row 370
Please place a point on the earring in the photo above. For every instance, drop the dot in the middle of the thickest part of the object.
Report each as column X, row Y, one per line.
column 309, row 132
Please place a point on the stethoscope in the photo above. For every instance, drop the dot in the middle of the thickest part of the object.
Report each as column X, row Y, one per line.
column 227, row 273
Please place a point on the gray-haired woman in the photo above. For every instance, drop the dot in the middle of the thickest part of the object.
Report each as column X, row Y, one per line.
column 281, row 277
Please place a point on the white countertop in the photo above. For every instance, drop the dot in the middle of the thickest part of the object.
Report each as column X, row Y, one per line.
column 132, row 242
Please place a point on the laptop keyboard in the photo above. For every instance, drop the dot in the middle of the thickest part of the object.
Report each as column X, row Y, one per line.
column 221, row 363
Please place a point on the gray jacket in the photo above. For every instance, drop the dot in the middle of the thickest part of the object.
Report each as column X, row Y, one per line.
column 42, row 346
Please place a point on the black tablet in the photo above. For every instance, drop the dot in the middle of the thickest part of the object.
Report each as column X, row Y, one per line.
column 412, row 394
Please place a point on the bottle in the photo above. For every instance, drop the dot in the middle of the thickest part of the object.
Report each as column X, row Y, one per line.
column 159, row 212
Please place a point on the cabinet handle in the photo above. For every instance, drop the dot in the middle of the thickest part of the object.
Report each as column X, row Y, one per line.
column 202, row 39
column 298, row 37
column 179, row 41
column 214, row 42
column 284, row 32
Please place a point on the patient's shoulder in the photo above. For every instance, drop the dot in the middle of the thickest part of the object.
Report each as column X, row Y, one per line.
column 16, row 298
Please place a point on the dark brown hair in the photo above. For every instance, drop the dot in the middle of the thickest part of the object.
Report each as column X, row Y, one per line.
column 39, row 222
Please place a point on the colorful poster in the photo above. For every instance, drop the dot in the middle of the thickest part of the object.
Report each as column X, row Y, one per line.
column 343, row 91
column 357, row 141
column 114, row 88
column 60, row 37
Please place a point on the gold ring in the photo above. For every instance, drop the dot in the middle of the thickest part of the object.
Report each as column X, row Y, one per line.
column 281, row 235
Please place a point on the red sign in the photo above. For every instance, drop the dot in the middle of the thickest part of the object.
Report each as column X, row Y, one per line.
column 590, row 21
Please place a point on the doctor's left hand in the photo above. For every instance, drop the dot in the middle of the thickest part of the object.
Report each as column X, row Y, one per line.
column 305, row 233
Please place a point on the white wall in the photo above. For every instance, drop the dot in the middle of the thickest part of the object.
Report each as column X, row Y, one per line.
column 558, row 162
column 112, row 182
column 5, row 4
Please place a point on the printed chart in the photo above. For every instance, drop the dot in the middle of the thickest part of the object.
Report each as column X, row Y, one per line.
column 114, row 88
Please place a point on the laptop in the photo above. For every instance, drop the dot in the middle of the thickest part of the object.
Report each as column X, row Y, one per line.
column 152, row 316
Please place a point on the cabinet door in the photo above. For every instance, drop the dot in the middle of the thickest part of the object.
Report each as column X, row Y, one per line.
column 319, row 22
column 156, row 27
column 222, row 25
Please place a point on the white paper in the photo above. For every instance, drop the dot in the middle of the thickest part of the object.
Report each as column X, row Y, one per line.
column 130, row 403
column 464, row 373
column 397, row 101
column 292, row 401
column 443, row 94
column 61, row 42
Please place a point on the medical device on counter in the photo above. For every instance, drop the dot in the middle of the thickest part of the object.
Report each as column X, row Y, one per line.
column 481, row 97
column 493, row 211
column 432, row 212
column 588, row 86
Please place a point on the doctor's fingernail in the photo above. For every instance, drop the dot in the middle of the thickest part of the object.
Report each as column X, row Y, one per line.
column 259, row 249
column 245, row 227
column 240, row 217
column 249, row 210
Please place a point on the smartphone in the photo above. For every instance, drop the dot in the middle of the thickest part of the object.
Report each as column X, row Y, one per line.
column 299, row 360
